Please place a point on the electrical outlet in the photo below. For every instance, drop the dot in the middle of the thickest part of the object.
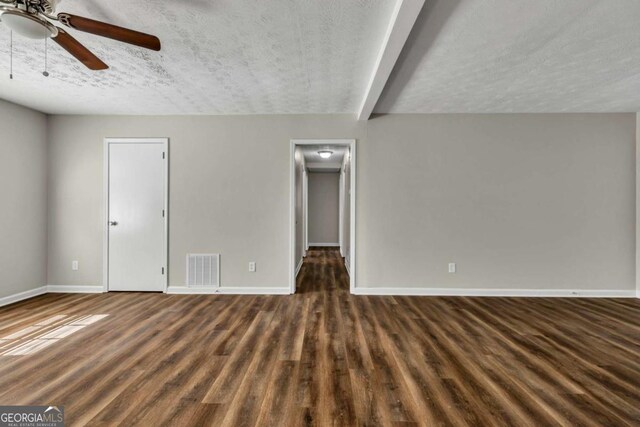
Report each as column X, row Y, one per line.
column 452, row 267
column 74, row 265
column 252, row 267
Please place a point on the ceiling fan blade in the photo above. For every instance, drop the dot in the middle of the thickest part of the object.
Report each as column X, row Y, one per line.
column 110, row 31
column 81, row 53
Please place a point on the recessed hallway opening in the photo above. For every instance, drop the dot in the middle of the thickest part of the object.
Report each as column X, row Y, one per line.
column 323, row 205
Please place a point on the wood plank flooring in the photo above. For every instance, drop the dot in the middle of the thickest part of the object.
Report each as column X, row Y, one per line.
column 324, row 357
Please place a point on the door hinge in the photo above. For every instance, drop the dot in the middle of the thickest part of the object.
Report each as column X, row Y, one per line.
column 162, row 270
column 162, row 213
column 163, row 154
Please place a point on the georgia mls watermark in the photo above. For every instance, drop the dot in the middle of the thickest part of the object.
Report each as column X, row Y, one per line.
column 31, row 416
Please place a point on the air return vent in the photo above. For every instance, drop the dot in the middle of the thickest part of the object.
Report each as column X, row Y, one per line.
column 203, row 270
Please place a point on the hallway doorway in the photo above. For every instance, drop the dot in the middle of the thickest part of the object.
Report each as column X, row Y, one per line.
column 322, row 203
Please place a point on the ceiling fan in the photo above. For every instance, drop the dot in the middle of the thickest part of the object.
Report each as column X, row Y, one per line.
column 31, row 18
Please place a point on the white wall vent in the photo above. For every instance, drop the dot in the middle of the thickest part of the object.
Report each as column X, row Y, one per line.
column 203, row 270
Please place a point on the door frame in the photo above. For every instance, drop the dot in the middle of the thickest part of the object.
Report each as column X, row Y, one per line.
column 341, row 209
column 351, row 144
column 105, row 220
column 305, row 207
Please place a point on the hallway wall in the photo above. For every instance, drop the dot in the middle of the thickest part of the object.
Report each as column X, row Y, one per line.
column 324, row 208
column 299, row 207
column 346, row 212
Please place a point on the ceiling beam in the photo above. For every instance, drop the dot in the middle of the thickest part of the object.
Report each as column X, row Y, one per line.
column 402, row 20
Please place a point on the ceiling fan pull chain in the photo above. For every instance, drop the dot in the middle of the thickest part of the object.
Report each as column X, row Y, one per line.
column 45, row 72
column 11, row 55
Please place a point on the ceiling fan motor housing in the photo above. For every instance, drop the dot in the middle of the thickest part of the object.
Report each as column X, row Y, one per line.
column 43, row 6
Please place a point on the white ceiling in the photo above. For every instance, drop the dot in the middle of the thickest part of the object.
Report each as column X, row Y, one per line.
column 317, row 56
column 218, row 57
column 519, row 56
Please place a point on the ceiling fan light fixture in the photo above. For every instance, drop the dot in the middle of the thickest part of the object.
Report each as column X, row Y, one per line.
column 30, row 19
column 325, row 154
column 28, row 25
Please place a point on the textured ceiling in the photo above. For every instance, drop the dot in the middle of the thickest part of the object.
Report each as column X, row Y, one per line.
column 519, row 56
column 218, row 57
column 316, row 56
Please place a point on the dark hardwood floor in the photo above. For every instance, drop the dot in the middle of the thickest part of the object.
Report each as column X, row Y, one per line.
column 323, row 357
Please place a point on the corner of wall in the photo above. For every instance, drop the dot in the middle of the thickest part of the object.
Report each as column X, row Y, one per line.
column 637, row 205
column 47, row 193
column 24, row 189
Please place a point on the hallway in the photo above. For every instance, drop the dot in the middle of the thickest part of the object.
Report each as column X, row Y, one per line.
column 323, row 270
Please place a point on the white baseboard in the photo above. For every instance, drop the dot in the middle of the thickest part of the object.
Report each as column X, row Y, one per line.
column 255, row 291
column 562, row 293
column 20, row 296
column 64, row 289
column 347, row 266
column 299, row 266
column 183, row 290
column 332, row 245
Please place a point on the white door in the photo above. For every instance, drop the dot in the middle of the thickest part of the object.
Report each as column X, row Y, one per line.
column 136, row 217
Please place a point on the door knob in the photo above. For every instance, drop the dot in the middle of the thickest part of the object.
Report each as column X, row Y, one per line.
column 113, row 223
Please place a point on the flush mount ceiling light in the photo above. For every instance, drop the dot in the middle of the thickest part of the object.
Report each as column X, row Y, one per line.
column 325, row 154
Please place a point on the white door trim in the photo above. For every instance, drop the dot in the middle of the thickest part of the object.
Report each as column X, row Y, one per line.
column 351, row 143
column 105, row 219
column 340, row 206
column 305, row 198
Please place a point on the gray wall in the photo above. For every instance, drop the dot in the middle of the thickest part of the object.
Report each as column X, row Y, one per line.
column 638, row 205
column 323, row 207
column 229, row 190
column 23, row 172
column 518, row 201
